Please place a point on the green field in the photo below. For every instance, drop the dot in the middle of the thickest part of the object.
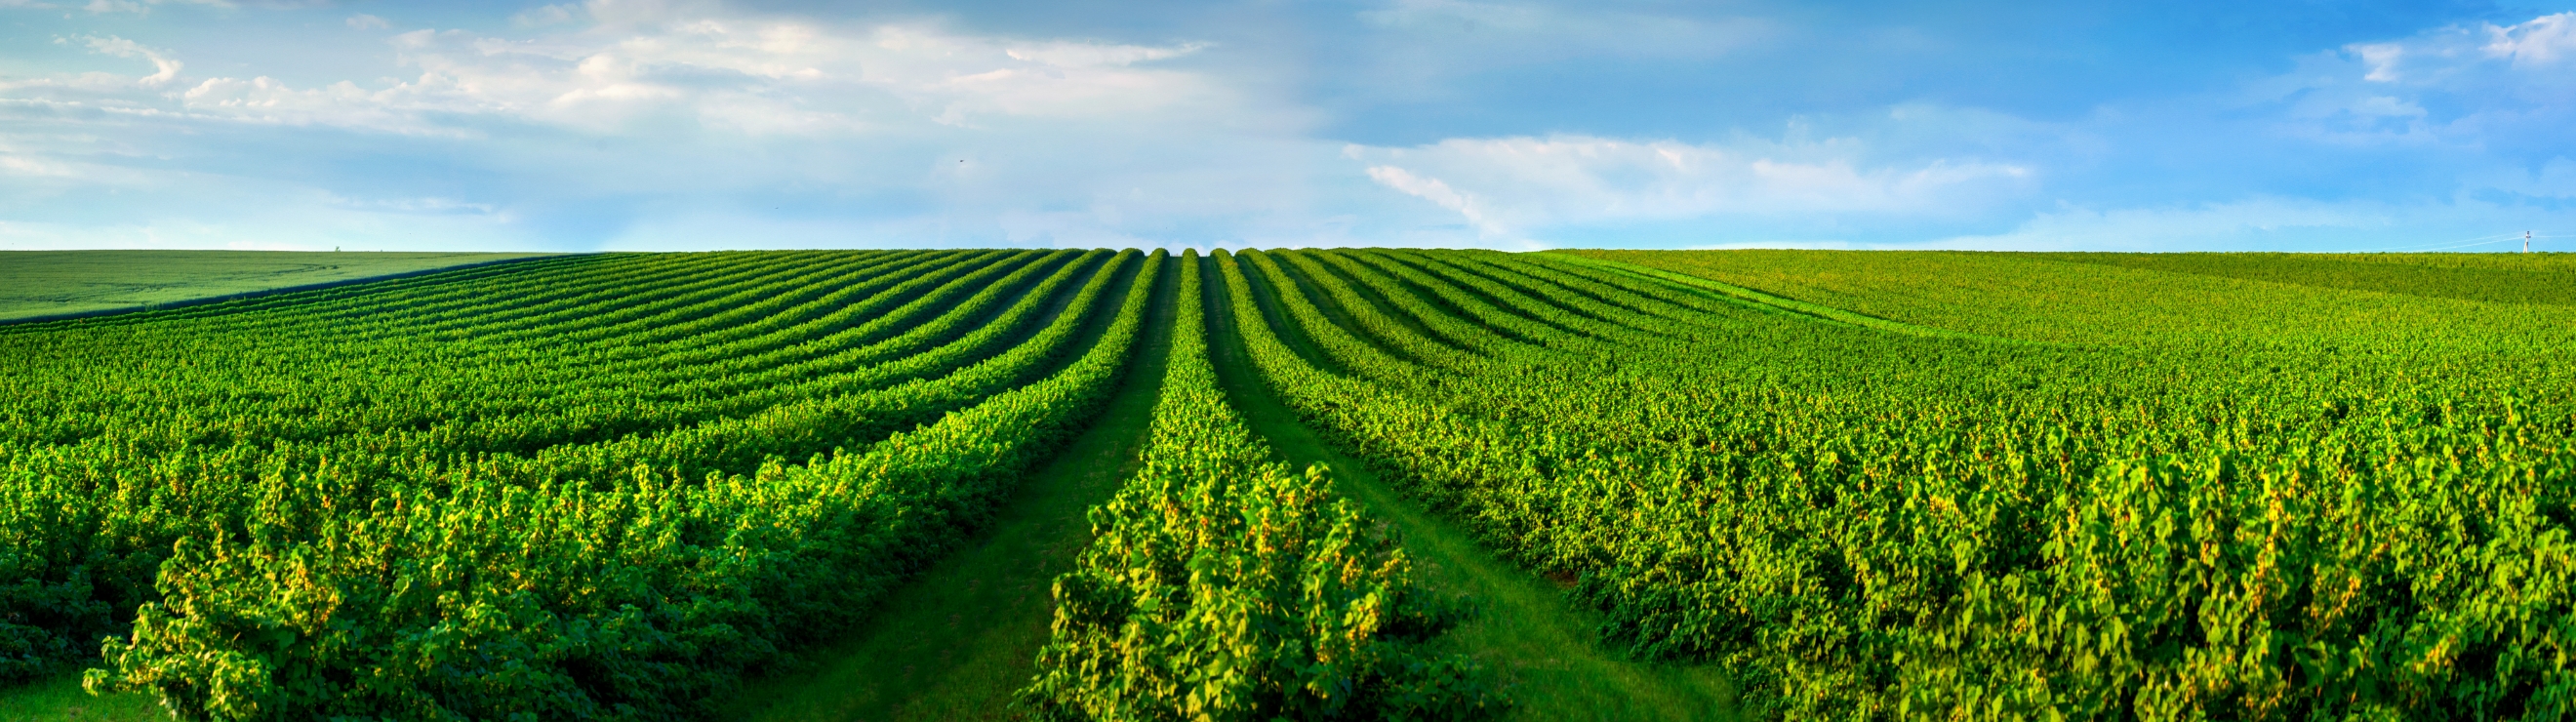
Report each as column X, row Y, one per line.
column 53, row 283
column 1344, row 484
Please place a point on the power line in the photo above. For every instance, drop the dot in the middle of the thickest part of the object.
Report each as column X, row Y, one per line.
column 2464, row 243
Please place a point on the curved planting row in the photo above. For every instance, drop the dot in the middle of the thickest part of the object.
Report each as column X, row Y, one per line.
column 1875, row 525
column 608, row 486
column 452, row 447
column 438, row 379
column 643, row 598
column 1221, row 584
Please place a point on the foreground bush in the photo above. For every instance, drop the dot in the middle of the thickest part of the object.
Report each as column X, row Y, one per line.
column 1224, row 586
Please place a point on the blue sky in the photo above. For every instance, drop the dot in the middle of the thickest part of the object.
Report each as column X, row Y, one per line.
column 2304, row 126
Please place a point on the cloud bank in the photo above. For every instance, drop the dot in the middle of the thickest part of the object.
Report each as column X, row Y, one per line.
column 628, row 124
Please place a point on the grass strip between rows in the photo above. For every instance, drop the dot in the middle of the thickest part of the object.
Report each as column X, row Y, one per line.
column 644, row 601
column 1223, row 585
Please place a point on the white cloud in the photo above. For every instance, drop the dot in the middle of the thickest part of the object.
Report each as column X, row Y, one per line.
column 2381, row 57
column 45, row 164
column 544, row 16
column 1537, row 32
column 649, row 124
column 268, row 100
column 2542, row 41
column 1513, row 187
column 35, row 167
column 166, row 68
column 1093, row 55
column 748, row 75
column 755, row 76
column 141, row 7
column 1437, row 192
column 2473, row 114
column 2487, row 81
column 632, row 122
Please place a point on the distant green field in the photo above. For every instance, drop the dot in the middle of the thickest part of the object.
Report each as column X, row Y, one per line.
column 47, row 283
column 2160, row 299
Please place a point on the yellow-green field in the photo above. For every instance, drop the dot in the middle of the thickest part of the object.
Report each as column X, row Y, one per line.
column 51, row 283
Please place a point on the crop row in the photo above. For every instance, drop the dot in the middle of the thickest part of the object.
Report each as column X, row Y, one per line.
column 608, row 486
column 269, row 533
column 1869, row 524
column 1221, row 584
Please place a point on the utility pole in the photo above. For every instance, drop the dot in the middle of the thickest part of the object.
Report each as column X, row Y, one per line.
column 2526, row 241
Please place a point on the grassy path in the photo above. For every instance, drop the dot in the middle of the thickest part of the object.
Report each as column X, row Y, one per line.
column 1543, row 649
column 955, row 643
column 60, row 698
